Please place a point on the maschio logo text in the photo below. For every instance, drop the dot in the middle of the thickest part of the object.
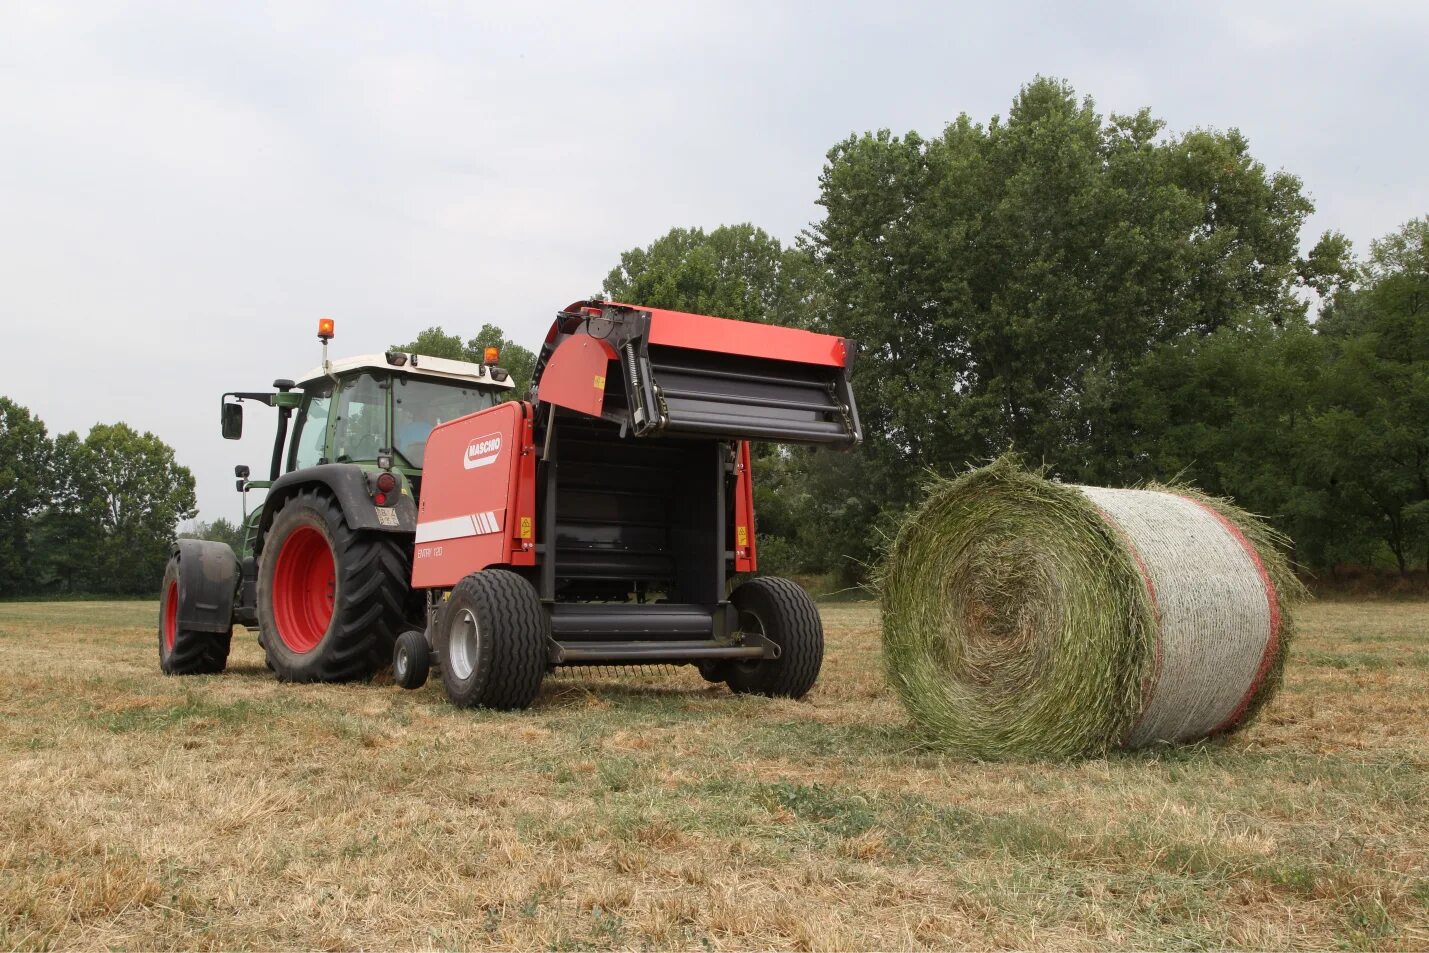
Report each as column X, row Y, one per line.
column 482, row 452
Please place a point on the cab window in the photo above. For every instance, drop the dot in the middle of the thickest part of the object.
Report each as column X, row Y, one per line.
column 309, row 440
column 419, row 404
column 359, row 426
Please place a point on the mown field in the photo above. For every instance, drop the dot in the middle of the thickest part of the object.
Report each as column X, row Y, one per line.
column 657, row 812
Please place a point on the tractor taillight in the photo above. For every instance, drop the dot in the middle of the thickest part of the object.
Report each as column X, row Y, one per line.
column 380, row 499
column 386, row 482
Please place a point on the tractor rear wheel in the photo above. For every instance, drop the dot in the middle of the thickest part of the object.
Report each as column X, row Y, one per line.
column 783, row 613
column 183, row 651
column 491, row 641
column 331, row 600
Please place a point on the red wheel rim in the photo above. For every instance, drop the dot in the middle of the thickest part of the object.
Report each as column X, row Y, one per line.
column 303, row 585
column 171, row 614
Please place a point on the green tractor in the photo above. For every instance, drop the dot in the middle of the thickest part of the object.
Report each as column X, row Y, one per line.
column 324, row 567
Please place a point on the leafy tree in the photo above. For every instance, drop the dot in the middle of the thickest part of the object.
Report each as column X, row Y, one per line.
column 24, row 489
column 515, row 359
column 741, row 272
column 1233, row 412
column 1010, row 282
column 66, row 531
column 220, row 531
column 133, row 494
column 734, row 271
column 519, row 361
column 436, row 342
column 1371, row 433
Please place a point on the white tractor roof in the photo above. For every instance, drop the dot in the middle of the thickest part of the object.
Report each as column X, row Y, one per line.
column 420, row 365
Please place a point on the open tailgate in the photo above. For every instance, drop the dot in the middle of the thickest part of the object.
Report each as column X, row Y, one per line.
column 690, row 374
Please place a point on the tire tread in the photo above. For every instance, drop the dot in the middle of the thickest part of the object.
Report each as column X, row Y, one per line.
column 194, row 653
column 513, row 661
column 799, row 632
column 372, row 573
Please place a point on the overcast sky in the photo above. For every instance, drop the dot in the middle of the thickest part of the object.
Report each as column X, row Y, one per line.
column 185, row 188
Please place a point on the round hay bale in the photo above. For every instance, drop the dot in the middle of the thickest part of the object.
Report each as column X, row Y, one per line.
column 1027, row 618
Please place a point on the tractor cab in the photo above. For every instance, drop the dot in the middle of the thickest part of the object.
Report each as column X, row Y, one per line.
column 370, row 414
column 374, row 409
column 366, row 409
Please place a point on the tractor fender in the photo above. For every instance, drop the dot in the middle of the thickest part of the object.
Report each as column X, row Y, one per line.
column 208, row 580
column 347, row 484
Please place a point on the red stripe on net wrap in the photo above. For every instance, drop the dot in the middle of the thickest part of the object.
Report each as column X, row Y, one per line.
column 1148, row 687
column 1272, row 644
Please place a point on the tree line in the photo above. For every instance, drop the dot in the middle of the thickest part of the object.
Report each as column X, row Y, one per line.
column 1114, row 301
column 92, row 515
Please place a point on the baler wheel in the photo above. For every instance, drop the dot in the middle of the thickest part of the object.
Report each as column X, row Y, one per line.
column 411, row 660
column 181, row 651
column 782, row 612
column 492, row 641
column 331, row 600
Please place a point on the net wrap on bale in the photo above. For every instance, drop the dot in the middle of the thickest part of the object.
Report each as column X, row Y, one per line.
column 1027, row 618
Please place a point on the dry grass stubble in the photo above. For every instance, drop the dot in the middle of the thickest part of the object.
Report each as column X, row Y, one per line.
column 143, row 811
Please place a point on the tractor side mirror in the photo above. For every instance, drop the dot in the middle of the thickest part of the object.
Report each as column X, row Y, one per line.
column 232, row 421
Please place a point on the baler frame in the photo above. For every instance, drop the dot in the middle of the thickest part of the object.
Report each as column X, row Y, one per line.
column 615, row 494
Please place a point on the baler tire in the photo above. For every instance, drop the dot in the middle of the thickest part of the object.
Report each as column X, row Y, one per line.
column 184, row 651
column 367, row 606
column 411, row 660
column 789, row 618
column 499, row 657
column 713, row 670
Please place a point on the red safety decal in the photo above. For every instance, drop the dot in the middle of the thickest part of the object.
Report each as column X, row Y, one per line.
column 746, row 554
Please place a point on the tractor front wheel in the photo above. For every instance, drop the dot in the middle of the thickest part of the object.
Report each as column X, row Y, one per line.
column 782, row 612
column 331, row 600
column 491, row 641
column 183, row 651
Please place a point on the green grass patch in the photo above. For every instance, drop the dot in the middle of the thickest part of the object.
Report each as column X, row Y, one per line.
column 160, row 717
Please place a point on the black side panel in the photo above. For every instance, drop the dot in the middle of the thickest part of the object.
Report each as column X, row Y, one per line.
column 208, row 580
column 348, row 484
column 635, row 516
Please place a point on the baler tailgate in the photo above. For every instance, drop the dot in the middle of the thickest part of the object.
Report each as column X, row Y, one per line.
column 693, row 375
column 681, row 391
column 752, row 399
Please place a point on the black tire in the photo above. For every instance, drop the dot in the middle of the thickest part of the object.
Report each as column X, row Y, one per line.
column 183, row 651
column 713, row 670
column 784, row 614
column 411, row 660
column 491, row 641
column 338, row 622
